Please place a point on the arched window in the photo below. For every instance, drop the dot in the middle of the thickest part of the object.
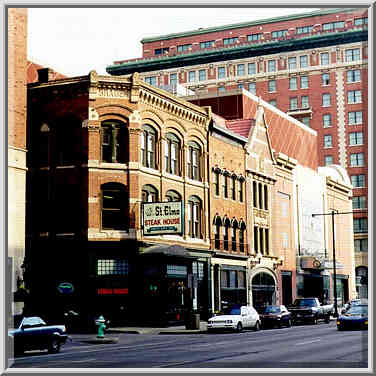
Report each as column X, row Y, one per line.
column 149, row 193
column 148, row 146
column 233, row 187
column 194, row 217
column 260, row 194
column 254, row 185
column 241, row 189
column 256, row 239
column 216, row 174
column 226, row 226
column 114, row 207
column 114, row 142
column 225, row 184
column 44, row 145
column 266, row 197
column 173, row 196
column 217, row 231
column 234, row 227
column 194, row 161
column 242, row 228
column 172, row 147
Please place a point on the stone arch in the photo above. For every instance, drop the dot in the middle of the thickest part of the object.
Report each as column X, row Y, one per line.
column 263, row 284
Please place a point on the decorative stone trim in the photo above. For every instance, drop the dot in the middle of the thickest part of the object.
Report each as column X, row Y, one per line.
column 341, row 121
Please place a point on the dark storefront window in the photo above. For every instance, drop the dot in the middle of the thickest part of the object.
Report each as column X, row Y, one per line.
column 263, row 290
column 113, row 142
column 114, row 207
column 232, row 286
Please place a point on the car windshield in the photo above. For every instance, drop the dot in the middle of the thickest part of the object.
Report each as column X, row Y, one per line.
column 358, row 310
column 232, row 311
column 305, row 303
column 272, row 309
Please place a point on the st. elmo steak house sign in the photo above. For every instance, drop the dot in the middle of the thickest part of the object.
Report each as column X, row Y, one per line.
column 163, row 217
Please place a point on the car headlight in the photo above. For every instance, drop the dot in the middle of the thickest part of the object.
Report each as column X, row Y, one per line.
column 338, row 322
column 366, row 322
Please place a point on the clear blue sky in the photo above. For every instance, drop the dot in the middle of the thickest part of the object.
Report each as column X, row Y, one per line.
column 74, row 41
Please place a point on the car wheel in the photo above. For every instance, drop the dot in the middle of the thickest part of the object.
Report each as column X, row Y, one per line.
column 257, row 326
column 239, row 327
column 54, row 346
column 289, row 323
column 314, row 321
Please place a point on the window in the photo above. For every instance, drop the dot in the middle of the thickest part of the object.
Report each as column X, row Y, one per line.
column 151, row 80
column 361, row 245
column 114, row 207
column 184, row 47
column 266, row 201
column 112, row 267
column 255, row 239
column 328, row 160
column 251, row 68
column 273, row 102
column 240, row 70
column 240, row 192
column 326, row 100
column 325, row 79
column 292, row 62
column 172, row 154
column 304, row 29
column 192, row 76
column 233, row 188
column 306, row 120
column 227, row 41
column 293, row 103
column 233, row 234
column 355, row 117
column 324, row 58
column 327, row 120
column 353, row 75
column 272, row 86
column 221, row 72
column 241, row 86
column 149, row 193
column 217, row 232
column 207, row 44
column 194, row 161
column 148, row 144
column 113, row 142
column 216, row 182
column 360, row 225
column 358, row 181
column 226, row 227
column 172, row 196
column 357, row 160
column 242, row 229
column 359, row 202
column 333, row 25
column 44, row 145
column 304, row 82
column 328, row 141
column 173, row 79
column 202, row 75
column 293, row 85
column 194, row 217
column 352, row 55
column 279, row 34
column 254, row 37
column 356, row 138
column 354, row 96
column 303, row 60
column 161, row 51
column 305, row 101
column 271, row 66
column 360, row 21
column 221, row 89
column 252, row 87
column 260, row 198
column 225, row 185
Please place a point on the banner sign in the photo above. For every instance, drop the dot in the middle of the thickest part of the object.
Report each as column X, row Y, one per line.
column 161, row 218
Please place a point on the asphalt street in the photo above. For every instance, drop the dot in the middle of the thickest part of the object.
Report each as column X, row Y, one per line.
column 305, row 346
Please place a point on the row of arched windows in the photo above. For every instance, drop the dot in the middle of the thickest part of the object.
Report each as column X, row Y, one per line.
column 232, row 185
column 223, row 227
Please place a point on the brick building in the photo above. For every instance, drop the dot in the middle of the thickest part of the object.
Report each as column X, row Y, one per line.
column 17, row 28
column 318, row 60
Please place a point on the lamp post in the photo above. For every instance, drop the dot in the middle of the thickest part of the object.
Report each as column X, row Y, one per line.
column 333, row 213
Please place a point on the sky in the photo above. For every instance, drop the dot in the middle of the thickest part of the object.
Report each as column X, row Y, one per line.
column 74, row 41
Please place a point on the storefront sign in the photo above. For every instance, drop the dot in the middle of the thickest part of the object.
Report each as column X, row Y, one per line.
column 65, row 288
column 329, row 265
column 117, row 291
column 310, row 263
column 163, row 218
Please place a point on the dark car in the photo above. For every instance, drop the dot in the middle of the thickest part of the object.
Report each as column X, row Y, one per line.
column 275, row 315
column 354, row 318
column 32, row 333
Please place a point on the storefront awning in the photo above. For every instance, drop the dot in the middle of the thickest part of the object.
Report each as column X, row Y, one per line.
column 168, row 250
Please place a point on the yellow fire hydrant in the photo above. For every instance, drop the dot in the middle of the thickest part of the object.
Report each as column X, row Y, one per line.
column 101, row 326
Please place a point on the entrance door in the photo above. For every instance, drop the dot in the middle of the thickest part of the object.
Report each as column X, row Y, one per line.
column 286, row 288
column 314, row 286
column 263, row 290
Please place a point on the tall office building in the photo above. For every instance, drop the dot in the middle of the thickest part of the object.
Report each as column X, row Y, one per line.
column 313, row 66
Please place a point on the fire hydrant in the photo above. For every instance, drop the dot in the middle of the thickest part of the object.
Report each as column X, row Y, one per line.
column 101, row 326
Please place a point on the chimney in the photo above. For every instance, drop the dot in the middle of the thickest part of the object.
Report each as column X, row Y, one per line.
column 45, row 74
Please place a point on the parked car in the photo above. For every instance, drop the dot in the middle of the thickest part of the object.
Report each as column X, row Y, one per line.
column 236, row 317
column 353, row 303
column 355, row 317
column 32, row 333
column 310, row 310
column 275, row 315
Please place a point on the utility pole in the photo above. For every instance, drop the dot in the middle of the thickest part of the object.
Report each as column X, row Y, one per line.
column 333, row 213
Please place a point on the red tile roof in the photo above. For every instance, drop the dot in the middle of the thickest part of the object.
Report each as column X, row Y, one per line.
column 32, row 72
column 241, row 126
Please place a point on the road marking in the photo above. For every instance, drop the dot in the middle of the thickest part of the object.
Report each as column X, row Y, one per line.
column 80, row 361
column 305, row 343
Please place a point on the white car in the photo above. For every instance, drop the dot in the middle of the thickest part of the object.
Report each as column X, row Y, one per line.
column 235, row 318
